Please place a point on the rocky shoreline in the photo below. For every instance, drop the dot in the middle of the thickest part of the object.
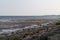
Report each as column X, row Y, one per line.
column 33, row 31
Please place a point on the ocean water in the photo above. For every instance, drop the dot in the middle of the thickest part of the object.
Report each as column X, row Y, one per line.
column 29, row 17
column 9, row 18
column 18, row 17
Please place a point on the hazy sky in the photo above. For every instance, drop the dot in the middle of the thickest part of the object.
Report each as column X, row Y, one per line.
column 29, row 7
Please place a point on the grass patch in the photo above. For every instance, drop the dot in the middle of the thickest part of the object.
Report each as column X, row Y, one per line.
column 58, row 23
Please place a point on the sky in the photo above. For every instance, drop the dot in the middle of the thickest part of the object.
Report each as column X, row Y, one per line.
column 29, row 7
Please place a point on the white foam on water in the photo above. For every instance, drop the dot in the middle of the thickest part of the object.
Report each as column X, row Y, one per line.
column 7, row 31
column 4, row 20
